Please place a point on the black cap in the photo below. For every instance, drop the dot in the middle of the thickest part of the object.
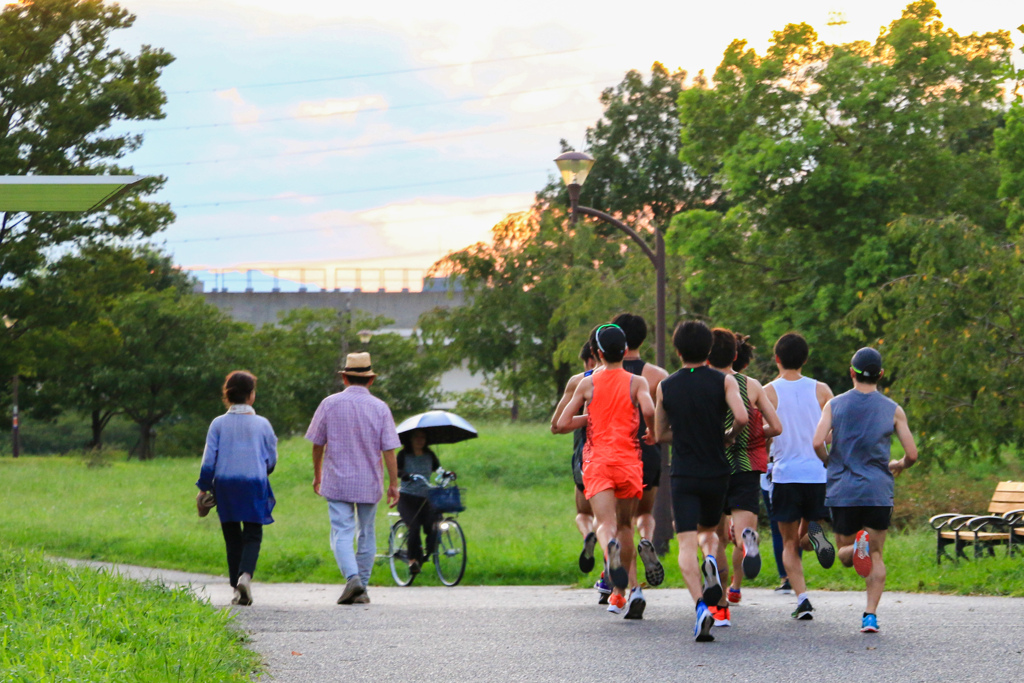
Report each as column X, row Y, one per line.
column 867, row 363
column 611, row 339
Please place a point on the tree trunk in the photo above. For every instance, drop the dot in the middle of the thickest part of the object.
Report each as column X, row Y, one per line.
column 97, row 430
column 146, row 448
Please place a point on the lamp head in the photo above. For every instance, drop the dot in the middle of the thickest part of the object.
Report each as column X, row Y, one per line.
column 574, row 167
column 365, row 336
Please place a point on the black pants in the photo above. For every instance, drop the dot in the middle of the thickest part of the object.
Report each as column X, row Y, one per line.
column 243, row 545
column 420, row 516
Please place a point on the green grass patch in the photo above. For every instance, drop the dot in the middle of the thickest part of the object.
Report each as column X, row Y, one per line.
column 62, row 623
column 519, row 522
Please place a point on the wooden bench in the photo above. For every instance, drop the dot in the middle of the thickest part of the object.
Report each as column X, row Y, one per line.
column 1004, row 525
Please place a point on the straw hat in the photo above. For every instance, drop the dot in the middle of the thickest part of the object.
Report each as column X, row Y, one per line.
column 358, row 365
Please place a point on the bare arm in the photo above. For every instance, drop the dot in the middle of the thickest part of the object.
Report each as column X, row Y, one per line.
column 735, row 402
column 569, row 417
column 391, row 463
column 773, row 397
column 653, row 374
column 570, row 389
column 662, row 428
column 318, row 464
column 771, row 418
column 906, row 440
column 646, row 405
column 823, row 393
column 823, row 433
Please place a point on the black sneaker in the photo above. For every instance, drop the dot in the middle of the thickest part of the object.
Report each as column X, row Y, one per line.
column 784, row 588
column 803, row 611
column 653, row 571
column 712, row 584
column 636, row 604
column 616, row 572
column 587, row 555
column 822, row 548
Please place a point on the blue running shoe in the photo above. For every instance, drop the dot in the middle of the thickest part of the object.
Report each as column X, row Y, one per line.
column 603, row 589
column 869, row 623
column 702, row 627
column 712, row 585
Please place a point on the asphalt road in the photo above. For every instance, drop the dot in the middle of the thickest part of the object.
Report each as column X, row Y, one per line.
column 475, row 633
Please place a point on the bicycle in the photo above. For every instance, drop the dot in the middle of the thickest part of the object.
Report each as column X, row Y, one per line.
column 450, row 548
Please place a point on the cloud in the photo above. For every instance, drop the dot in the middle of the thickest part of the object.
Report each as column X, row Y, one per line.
column 242, row 112
column 343, row 108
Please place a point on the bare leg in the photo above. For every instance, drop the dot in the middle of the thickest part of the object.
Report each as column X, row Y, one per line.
column 626, row 510
column 688, row 564
column 723, row 565
column 644, row 519
column 584, row 515
column 605, row 508
column 741, row 519
column 844, row 549
column 791, row 555
column 876, row 579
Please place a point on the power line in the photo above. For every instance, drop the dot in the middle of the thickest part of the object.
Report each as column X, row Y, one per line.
column 362, row 190
column 332, row 227
column 372, row 145
column 376, row 108
column 395, row 72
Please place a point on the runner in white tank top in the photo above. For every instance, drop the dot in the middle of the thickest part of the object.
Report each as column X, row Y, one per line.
column 798, row 477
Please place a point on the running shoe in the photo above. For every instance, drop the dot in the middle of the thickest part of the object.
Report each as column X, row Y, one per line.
column 616, row 572
column 869, row 623
column 734, row 596
column 587, row 556
column 712, row 585
column 603, row 589
column 822, row 548
column 784, row 588
column 721, row 615
column 751, row 554
column 803, row 611
column 653, row 570
column 862, row 553
column 636, row 604
column 616, row 603
column 702, row 627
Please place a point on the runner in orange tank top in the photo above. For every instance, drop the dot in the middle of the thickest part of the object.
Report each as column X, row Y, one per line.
column 612, row 469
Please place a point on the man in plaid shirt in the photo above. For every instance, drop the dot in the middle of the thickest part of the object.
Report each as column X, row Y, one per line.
column 350, row 432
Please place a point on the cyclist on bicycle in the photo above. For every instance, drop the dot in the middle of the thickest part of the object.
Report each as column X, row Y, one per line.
column 415, row 464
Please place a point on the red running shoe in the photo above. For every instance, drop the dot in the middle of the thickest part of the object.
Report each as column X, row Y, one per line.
column 862, row 553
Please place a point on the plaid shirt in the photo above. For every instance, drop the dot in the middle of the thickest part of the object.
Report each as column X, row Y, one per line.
column 356, row 427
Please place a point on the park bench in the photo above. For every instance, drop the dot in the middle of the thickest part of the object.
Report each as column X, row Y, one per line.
column 1002, row 526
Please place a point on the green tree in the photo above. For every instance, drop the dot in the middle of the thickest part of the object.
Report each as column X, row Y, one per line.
column 820, row 147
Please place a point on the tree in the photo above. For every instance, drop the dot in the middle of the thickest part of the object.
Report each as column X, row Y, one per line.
column 820, row 147
column 172, row 358
column 69, row 335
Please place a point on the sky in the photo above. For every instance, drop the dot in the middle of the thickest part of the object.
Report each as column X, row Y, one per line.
column 308, row 139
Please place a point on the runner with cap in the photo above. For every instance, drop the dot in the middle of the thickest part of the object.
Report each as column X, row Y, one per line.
column 584, row 514
column 690, row 414
column 860, row 472
column 748, row 460
column 612, row 469
column 635, row 328
column 798, row 477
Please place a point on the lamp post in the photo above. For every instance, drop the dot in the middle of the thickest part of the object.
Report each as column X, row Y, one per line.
column 15, row 434
column 575, row 167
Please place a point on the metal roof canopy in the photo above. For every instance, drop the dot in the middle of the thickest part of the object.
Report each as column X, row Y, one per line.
column 60, row 192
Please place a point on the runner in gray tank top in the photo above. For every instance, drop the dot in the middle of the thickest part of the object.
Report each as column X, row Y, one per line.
column 861, row 423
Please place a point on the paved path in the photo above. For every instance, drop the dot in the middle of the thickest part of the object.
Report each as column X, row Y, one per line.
column 553, row 634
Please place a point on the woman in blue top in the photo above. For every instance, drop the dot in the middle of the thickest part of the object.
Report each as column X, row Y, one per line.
column 241, row 450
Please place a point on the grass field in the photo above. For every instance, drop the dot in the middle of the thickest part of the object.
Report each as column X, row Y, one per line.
column 519, row 522
column 74, row 624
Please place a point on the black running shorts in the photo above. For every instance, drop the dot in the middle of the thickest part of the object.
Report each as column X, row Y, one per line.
column 793, row 502
column 698, row 501
column 744, row 493
column 847, row 521
column 651, row 457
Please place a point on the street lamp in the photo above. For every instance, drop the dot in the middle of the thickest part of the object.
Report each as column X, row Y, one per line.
column 575, row 167
column 365, row 336
column 15, row 435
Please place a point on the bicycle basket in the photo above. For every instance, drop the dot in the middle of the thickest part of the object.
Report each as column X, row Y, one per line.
column 447, row 499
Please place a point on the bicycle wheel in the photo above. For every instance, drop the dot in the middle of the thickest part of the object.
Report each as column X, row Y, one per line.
column 450, row 553
column 398, row 554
